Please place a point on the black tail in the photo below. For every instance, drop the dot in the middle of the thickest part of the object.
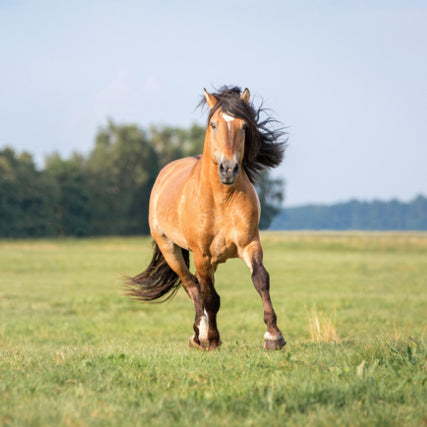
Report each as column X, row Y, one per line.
column 158, row 282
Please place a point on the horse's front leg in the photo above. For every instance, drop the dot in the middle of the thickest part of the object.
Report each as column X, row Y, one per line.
column 252, row 255
column 209, row 337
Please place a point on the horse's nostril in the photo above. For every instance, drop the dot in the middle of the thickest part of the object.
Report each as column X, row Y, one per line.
column 228, row 169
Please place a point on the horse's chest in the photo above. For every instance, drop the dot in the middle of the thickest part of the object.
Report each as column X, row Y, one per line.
column 222, row 249
column 223, row 232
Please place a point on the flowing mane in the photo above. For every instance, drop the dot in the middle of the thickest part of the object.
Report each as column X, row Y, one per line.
column 265, row 143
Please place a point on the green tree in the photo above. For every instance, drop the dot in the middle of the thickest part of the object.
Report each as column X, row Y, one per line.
column 172, row 143
column 27, row 197
column 168, row 143
column 121, row 171
column 106, row 192
column 193, row 138
column 73, row 210
column 270, row 193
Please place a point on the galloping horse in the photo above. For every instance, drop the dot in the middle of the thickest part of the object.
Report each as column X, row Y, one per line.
column 208, row 205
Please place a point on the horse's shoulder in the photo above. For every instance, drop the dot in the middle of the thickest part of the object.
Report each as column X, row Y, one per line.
column 182, row 163
column 177, row 170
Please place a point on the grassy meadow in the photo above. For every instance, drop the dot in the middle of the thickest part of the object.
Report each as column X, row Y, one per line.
column 75, row 352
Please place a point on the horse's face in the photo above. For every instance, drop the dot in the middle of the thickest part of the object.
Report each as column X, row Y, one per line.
column 227, row 136
column 227, row 141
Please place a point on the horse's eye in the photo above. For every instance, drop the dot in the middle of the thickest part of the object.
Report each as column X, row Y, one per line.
column 244, row 127
column 213, row 125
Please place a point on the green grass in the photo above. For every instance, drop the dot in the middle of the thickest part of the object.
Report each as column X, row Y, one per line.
column 74, row 351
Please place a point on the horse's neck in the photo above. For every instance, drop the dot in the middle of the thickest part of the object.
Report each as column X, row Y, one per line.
column 209, row 178
column 211, row 187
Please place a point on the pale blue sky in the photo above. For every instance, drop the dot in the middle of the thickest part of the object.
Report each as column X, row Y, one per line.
column 349, row 79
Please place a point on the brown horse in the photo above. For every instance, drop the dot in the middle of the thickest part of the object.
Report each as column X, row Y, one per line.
column 208, row 205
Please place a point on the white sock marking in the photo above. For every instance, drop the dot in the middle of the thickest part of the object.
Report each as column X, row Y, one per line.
column 203, row 328
column 268, row 336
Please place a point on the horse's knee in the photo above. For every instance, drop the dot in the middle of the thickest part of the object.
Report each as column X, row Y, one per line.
column 211, row 299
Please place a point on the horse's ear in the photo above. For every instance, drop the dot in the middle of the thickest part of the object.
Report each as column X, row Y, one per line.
column 245, row 96
column 210, row 99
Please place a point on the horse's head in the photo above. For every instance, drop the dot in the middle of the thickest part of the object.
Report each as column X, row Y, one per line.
column 226, row 134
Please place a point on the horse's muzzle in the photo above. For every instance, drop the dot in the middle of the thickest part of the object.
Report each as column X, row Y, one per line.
column 228, row 172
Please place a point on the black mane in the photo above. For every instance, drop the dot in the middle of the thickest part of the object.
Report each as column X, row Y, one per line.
column 265, row 143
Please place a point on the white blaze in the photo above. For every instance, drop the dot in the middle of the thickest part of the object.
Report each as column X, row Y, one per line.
column 228, row 119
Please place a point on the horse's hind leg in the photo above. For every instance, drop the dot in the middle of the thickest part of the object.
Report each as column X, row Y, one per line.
column 252, row 255
column 173, row 256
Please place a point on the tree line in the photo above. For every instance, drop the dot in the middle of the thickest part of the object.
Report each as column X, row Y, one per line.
column 105, row 192
column 356, row 215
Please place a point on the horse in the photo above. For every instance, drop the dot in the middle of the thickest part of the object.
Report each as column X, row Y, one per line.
column 208, row 205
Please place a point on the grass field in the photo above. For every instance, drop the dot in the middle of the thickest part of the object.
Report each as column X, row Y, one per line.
column 75, row 352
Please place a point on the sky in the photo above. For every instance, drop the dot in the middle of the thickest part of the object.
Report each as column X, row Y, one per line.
column 347, row 79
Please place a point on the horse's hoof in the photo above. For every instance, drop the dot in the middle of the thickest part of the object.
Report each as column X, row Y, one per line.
column 204, row 345
column 213, row 346
column 193, row 343
column 273, row 343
